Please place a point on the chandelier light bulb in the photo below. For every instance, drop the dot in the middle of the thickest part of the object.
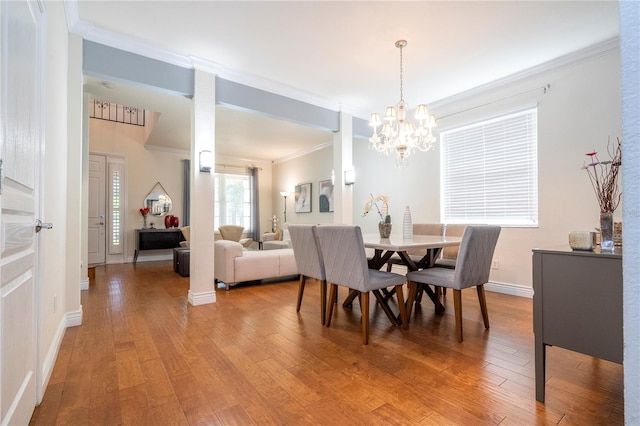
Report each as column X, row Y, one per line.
column 399, row 135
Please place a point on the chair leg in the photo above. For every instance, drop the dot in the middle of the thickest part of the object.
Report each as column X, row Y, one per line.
column 323, row 301
column 438, row 292
column 303, row 281
column 389, row 265
column 402, row 307
column 332, row 295
column 411, row 298
column 364, row 308
column 457, row 303
column 483, row 305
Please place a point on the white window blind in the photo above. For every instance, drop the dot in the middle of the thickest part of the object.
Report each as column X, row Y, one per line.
column 490, row 171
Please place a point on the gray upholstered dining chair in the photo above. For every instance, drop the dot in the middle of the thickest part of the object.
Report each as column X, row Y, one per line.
column 450, row 254
column 472, row 269
column 416, row 255
column 306, row 250
column 346, row 264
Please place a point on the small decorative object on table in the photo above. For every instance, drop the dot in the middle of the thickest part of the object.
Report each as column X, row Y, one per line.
column 144, row 212
column 384, row 227
column 604, row 179
column 167, row 221
column 175, row 221
column 582, row 240
column 407, row 225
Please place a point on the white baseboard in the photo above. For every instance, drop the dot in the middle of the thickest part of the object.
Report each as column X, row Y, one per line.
column 84, row 284
column 511, row 289
column 50, row 358
column 196, row 299
column 74, row 319
column 142, row 257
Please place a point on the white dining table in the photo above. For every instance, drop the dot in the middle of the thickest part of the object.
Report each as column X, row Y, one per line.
column 384, row 248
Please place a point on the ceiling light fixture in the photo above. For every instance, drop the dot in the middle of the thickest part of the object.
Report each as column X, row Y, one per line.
column 399, row 134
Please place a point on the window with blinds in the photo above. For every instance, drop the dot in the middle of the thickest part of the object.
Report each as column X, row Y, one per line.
column 490, row 171
column 232, row 200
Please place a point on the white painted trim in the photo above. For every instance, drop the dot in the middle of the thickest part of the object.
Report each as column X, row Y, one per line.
column 307, row 151
column 150, row 258
column 184, row 152
column 74, row 318
column 84, row 284
column 49, row 360
column 508, row 288
column 207, row 297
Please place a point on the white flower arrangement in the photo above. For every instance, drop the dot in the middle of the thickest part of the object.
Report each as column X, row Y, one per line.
column 383, row 210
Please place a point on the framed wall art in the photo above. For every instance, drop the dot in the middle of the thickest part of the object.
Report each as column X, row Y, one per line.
column 326, row 196
column 303, row 198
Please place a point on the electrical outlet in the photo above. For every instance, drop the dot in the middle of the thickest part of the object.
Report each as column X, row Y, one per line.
column 494, row 264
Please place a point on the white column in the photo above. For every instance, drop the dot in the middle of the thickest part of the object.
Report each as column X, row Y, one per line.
column 343, row 160
column 202, row 287
column 630, row 72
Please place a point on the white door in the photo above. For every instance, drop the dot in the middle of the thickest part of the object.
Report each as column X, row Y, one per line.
column 97, row 212
column 20, row 141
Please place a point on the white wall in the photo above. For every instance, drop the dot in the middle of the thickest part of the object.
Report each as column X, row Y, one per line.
column 144, row 168
column 578, row 114
column 311, row 168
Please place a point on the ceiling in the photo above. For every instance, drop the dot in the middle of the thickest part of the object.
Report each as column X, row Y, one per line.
column 339, row 53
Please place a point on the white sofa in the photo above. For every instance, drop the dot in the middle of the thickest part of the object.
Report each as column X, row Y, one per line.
column 234, row 265
column 276, row 240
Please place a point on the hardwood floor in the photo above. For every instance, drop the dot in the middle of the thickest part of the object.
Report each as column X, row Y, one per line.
column 143, row 356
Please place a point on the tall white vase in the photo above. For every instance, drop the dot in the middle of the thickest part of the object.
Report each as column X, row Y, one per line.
column 407, row 224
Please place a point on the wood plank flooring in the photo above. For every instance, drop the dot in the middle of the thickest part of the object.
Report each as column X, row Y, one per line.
column 144, row 356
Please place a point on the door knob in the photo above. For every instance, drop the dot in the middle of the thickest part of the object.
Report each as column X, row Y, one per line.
column 40, row 225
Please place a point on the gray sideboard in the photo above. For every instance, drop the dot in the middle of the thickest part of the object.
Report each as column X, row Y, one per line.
column 577, row 305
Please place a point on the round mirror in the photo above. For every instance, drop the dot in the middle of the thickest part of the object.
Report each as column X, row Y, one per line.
column 159, row 203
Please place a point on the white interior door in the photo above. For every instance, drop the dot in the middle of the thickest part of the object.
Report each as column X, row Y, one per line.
column 21, row 111
column 97, row 210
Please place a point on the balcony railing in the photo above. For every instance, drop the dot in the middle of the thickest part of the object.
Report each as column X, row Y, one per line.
column 109, row 111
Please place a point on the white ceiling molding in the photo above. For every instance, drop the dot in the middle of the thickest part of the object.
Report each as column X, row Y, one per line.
column 328, row 144
column 167, row 149
column 563, row 61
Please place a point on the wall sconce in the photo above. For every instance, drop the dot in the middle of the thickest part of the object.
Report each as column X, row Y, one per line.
column 206, row 161
column 349, row 177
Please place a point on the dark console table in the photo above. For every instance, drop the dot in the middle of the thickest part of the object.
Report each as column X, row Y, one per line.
column 577, row 305
column 156, row 239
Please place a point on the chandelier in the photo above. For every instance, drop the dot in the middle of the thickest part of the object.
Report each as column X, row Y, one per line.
column 399, row 134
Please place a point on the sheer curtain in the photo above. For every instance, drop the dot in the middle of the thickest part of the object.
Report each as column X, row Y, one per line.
column 255, row 204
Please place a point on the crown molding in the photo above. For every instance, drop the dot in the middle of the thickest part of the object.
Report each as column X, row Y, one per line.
column 307, row 151
column 570, row 59
column 168, row 149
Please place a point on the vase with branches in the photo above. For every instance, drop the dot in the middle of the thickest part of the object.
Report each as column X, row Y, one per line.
column 603, row 176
